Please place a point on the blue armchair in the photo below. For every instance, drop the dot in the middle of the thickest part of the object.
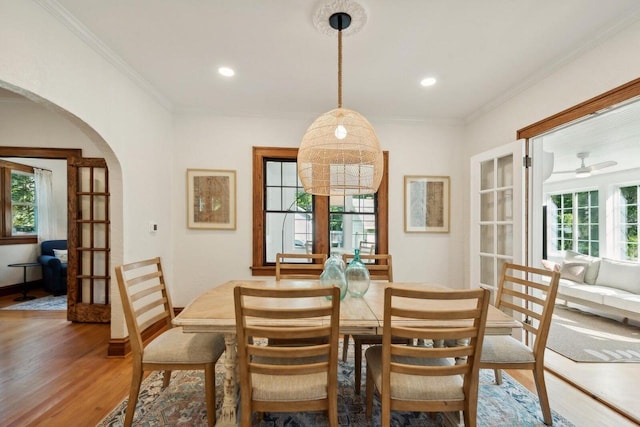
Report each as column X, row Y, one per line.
column 54, row 271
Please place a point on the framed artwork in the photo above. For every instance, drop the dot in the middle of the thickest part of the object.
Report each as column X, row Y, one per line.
column 211, row 199
column 426, row 204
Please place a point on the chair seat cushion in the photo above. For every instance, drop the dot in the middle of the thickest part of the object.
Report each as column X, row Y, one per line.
column 505, row 349
column 416, row 387
column 175, row 346
column 286, row 388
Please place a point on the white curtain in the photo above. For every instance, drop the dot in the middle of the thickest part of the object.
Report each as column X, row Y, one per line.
column 45, row 207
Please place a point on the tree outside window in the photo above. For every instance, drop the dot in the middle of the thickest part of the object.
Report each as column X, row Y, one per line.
column 576, row 222
column 629, row 222
column 23, row 203
column 18, row 222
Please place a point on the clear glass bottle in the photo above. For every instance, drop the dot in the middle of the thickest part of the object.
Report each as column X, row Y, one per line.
column 335, row 259
column 334, row 276
column 357, row 276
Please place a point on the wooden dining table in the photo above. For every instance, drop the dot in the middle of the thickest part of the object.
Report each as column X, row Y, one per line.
column 213, row 311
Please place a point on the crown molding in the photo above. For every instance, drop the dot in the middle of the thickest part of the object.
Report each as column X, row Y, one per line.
column 97, row 45
column 552, row 67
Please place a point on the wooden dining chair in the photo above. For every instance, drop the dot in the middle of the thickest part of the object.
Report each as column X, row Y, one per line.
column 381, row 270
column 530, row 302
column 299, row 376
column 425, row 378
column 288, row 269
column 147, row 305
column 367, row 248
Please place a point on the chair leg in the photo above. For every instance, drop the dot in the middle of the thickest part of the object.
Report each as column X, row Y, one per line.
column 166, row 379
column 136, row 380
column 246, row 413
column 345, row 347
column 470, row 415
column 498, row 374
column 210, row 392
column 332, row 412
column 385, row 412
column 538, row 375
column 369, row 394
column 357, row 367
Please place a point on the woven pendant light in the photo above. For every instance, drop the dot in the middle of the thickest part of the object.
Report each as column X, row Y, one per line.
column 340, row 154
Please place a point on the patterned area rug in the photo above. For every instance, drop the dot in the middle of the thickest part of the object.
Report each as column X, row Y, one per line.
column 45, row 303
column 585, row 337
column 182, row 403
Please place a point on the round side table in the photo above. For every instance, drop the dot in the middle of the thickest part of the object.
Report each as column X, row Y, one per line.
column 25, row 288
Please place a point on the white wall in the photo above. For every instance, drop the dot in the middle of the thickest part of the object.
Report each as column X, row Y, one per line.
column 609, row 64
column 130, row 128
column 25, row 123
column 205, row 258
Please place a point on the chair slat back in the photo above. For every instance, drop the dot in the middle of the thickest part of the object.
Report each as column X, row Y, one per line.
column 422, row 311
column 529, row 301
column 145, row 300
column 307, row 318
column 380, row 266
column 367, row 248
column 309, row 266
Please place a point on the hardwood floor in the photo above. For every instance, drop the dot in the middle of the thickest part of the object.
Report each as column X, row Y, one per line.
column 56, row 373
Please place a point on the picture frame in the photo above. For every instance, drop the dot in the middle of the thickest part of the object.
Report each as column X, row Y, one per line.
column 426, row 204
column 211, row 199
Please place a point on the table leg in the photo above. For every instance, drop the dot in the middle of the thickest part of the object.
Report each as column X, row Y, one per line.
column 228, row 413
column 25, row 288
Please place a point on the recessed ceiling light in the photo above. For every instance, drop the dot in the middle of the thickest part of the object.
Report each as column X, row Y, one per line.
column 226, row 71
column 428, row 81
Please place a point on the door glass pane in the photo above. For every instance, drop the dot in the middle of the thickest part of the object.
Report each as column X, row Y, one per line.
column 500, row 263
column 505, row 205
column 505, row 238
column 505, row 171
column 486, row 238
column 486, row 202
column 487, row 276
column 486, row 175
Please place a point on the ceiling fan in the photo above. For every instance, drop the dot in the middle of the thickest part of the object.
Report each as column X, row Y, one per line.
column 584, row 171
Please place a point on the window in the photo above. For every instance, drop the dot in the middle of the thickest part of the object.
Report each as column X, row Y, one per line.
column 575, row 222
column 629, row 222
column 286, row 219
column 18, row 201
column 352, row 220
column 288, row 210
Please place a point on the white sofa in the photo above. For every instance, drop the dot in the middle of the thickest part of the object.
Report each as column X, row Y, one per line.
column 603, row 284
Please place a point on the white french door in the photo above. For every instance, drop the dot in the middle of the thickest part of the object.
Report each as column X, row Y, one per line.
column 497, row 231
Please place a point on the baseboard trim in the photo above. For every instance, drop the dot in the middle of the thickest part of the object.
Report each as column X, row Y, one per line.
column 119, row 347
column 17, row 289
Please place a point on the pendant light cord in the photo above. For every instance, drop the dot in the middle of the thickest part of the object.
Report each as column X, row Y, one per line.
column 340, row 66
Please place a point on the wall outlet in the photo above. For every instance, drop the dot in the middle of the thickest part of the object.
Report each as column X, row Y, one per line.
column 153, row 227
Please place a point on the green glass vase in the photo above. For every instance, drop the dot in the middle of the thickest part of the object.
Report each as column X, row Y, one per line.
column 357, row 276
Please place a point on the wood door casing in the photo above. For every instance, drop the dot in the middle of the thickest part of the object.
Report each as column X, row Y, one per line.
column 78, row 274
column 89, row 225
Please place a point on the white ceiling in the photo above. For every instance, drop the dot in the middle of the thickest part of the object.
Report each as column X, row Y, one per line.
column 612, row 135
column 481, row 51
